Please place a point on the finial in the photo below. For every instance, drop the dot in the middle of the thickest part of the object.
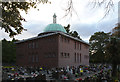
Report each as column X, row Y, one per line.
column 54, row 18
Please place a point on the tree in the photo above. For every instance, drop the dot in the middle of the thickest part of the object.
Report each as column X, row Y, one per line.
column 116, row 31
column 11, row 17
column 98, row 42
column 72, row 33
column 116, row 34
column 113, row 48
column 106, row 47
column 8, row 51
column 67, row 28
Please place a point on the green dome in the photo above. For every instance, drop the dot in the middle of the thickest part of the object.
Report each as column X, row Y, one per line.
column 54, row 27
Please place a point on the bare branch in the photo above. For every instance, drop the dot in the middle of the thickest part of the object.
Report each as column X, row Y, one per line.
column 107, row 4
column 70, row 9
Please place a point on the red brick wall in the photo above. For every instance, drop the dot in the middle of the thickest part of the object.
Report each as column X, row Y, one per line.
column 69, row 47
column 47, row 52
column 43, row 51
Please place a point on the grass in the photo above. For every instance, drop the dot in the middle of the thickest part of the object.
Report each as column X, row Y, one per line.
column 8, row 66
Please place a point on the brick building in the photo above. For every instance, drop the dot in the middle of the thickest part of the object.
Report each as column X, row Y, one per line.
column 52, row 48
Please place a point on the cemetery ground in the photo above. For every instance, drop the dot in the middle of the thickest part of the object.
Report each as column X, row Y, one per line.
column 82, row 73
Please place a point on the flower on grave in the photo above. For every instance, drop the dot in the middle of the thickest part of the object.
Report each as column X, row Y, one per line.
column 65, row 77
column 41, row 68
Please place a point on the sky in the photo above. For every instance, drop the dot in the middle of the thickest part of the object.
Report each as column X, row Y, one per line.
column 85, row 19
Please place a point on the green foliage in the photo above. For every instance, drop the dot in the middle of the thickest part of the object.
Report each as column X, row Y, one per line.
column 67, row 28
column 98, row 42
column 8, row 51
column 105, row 47
column 113, row 49
column 11, row 17
column 72, row 33
column 114, row 43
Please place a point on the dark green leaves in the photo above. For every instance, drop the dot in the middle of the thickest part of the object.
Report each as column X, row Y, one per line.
column 11, row 17
column 98, row 42
column 8, row 51
column 72, row 33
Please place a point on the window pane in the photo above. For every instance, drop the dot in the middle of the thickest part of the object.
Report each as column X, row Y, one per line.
column 75, row 57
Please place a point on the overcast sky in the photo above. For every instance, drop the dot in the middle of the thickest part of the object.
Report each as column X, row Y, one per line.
column 85, row 20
